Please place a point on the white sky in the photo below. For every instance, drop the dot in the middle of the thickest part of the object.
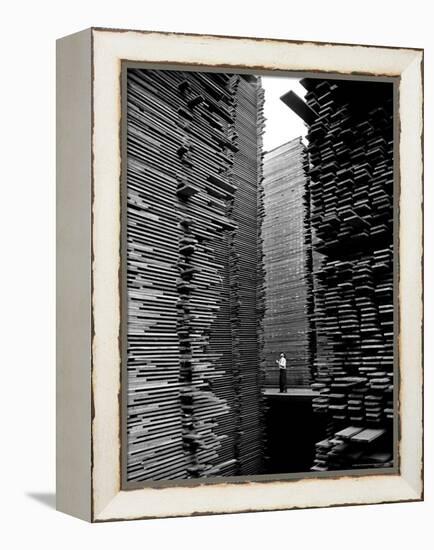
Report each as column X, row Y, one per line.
column 282, row 123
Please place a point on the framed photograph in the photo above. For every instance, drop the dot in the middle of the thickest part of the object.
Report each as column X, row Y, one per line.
column 239, row 274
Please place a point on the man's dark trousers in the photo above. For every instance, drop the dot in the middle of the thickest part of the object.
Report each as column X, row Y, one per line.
column 282, row 380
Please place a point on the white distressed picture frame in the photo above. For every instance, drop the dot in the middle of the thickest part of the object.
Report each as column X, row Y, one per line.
column 88, row 262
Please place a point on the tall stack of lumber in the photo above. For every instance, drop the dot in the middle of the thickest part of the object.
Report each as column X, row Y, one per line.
column 247, row 274
column 351, row 186
column 288, row 261
column 193, row 197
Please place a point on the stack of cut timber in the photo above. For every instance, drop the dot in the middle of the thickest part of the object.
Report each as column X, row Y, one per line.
column 354, row 447
column 351, row 187
column 287, row 256
column 189, row 405
column 246, row 305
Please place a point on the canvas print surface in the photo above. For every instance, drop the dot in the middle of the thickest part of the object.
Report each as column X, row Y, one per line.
column 258, row 275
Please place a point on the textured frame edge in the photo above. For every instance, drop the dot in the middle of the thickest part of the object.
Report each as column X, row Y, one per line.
column 73, row 274
column 279, row 495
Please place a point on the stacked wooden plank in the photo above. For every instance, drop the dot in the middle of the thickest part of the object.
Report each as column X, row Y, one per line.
column 191, row 400
column 155, row 442
column 351, row 185
column 287, row 257
column 246, row 280
column 354, row 447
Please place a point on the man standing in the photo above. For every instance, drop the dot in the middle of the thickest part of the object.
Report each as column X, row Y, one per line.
column 282, row 372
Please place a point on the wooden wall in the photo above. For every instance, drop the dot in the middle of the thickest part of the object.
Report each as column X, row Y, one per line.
column 193, row 186
column 288, row 264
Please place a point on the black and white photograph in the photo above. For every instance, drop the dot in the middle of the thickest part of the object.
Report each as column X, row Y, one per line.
column 259, row 318
column 217, row 235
